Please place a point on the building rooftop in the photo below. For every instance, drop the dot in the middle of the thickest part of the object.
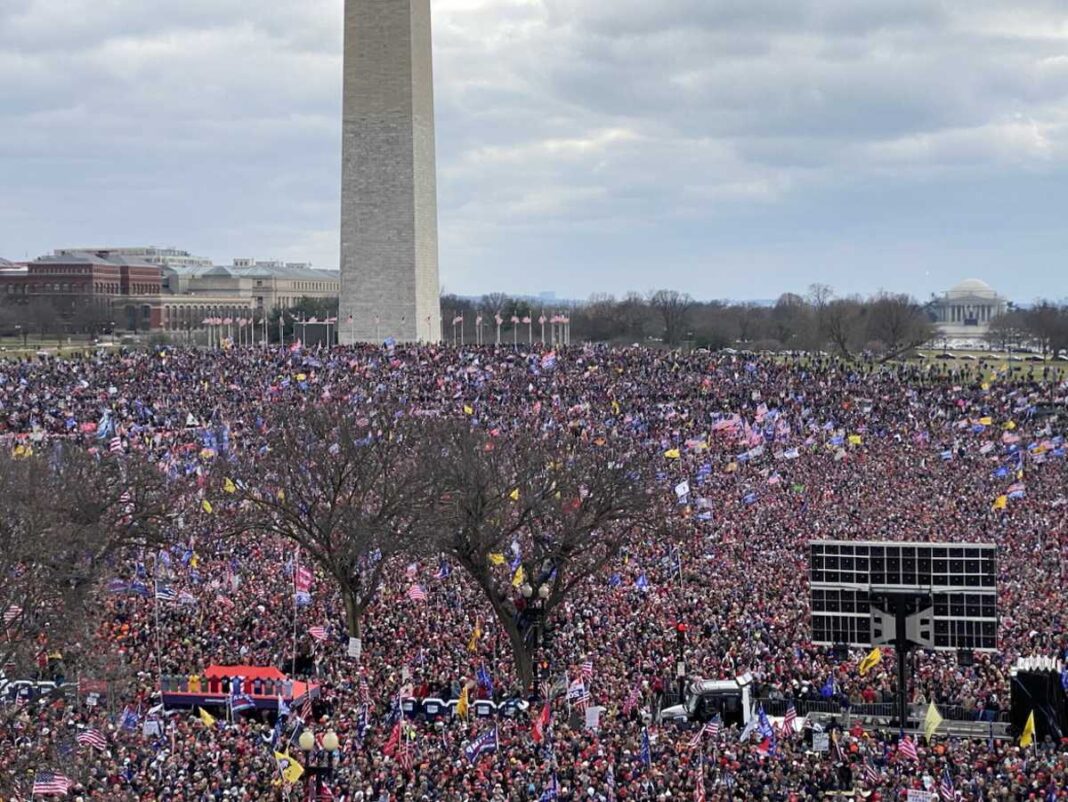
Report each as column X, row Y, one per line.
column 972, row 286
column 91, row 258
column 258, row 271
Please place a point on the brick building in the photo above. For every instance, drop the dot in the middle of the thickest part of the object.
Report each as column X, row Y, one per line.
column 140, row 295
column 130, row 287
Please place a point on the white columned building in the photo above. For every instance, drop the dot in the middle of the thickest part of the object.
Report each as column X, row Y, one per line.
column 967, row 309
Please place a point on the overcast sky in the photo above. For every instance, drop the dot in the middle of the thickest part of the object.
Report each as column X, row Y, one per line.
column 729, row 148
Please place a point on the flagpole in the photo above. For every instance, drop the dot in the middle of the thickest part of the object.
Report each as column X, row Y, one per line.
column 293, row 663
column 159, row 650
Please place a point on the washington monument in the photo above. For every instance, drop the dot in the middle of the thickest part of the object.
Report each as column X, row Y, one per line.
column 389, row 212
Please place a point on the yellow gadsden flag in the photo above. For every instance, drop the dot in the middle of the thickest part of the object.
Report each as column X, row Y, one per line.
column 289, row 768
column 672, row 453
column 463, row 704
column 931, row 722
column 871, row 661
column 1001, row 502
column 206, row 717
column 229, row 486
column 1027, row 737
column 476, row 636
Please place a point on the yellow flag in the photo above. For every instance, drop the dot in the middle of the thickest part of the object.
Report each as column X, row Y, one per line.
column 986, row 421
column 289, row 768
column 518, row 577
column 514, row 495
column 229, row 486
column 1010, row 425
column 194, row 561
column 206, row 506
column 871, row 661
column 1027, row 737
column 1001, row 502
column 462, row 705
column 615, row 407
column 206, row 717
column 476, row 636
column 496, row 558
column 931, row 722
column 468, row 410
column 672, row 453
column 855, row 440
column 300, row 377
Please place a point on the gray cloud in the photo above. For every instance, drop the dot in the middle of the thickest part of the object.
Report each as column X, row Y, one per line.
column 740, row 147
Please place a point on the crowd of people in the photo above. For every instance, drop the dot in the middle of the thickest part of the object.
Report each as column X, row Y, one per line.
column 774, row 453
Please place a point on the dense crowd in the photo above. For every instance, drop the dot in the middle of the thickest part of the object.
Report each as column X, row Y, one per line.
column 774, row 452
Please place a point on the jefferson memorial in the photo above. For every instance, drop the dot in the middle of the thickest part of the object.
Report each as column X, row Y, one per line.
column 967, row 309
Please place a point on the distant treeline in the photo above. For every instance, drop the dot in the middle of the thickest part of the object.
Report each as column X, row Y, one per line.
column 886, row 325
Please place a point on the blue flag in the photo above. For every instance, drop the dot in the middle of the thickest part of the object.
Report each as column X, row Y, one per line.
column 484, row 679
column 646, row 753
column 482, row 745
column 827, row 691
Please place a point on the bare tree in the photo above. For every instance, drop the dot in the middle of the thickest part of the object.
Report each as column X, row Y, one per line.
column 899, row 323
column 343, row 485
column 841, row 320
column 559, row 509
column 1047, row 324
column 1006, row 330
column 674, row 310
column 63, row 516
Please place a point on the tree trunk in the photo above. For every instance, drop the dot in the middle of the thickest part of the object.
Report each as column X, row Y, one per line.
column 353, row 613
column 524, row 662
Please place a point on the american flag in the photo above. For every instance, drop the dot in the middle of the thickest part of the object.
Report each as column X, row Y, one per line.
column 871, row 774
column 306, row 708
column 789, row 719
column 416, row 593
column 49, row 783
column 712, row 727
column 405, row 753
column 699, row 779
column 365, row 689
column 319, row 633
column 116, row 445
column 907, row 748
column 945, row 788
column 587, row 669
column 93, row 738
column 632, row 700
column 12, row 613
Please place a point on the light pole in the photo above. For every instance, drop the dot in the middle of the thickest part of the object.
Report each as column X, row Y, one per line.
column 536, row 604
column 315, row 765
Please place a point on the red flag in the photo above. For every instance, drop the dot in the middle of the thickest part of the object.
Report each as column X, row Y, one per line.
column 540, row 723
column 394, row 741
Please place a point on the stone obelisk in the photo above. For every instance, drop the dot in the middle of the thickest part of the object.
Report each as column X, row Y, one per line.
column 389, row 215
